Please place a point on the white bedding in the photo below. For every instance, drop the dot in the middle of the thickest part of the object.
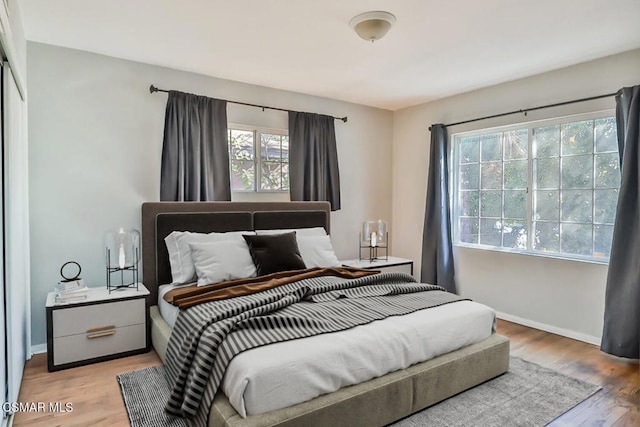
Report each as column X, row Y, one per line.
column 169, row 312
column 283, row 374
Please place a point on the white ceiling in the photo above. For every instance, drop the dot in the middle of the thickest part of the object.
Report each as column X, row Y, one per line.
column 437, row 48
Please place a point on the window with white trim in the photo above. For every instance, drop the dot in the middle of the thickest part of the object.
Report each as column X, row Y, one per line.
column 258, row 158
column 548, row 187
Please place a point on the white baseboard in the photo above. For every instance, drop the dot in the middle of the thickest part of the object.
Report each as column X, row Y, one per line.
column 39, row 348
column 549, row 328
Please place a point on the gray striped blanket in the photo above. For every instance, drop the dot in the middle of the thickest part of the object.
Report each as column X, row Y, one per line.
column 206, row 337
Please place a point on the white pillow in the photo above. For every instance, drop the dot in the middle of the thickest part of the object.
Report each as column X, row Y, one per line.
column 317, row 251
column 313, row 231
column 220, row 261
column 182, row 268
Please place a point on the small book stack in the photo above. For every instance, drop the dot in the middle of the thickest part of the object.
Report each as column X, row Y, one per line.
column 71, row 291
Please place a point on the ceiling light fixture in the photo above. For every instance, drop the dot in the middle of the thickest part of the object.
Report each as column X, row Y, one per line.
column 372, row 26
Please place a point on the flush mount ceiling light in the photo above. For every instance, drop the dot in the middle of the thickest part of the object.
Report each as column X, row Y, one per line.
column 372, row 26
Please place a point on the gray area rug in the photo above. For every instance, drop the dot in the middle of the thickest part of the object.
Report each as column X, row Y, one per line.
column 145, row 392
column 527, row 395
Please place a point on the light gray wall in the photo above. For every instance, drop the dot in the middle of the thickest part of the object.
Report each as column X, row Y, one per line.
column 557, row 295
column 95, row 135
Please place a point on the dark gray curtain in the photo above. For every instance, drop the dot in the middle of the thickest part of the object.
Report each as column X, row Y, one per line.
column 437, row 253
column 621, row 335
column 195, row 153
column 313, row 159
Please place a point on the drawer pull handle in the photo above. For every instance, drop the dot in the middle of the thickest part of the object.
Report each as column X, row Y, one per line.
column 101, row 328
column 101, row 334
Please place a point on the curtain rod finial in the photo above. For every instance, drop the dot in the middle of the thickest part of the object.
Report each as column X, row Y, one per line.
column 344, row 119
column 152, row 89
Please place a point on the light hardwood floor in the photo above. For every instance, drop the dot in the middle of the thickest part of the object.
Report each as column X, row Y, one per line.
column 95, row 394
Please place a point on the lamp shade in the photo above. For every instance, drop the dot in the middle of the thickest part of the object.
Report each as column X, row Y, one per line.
column 374, row 233
column 122, row 247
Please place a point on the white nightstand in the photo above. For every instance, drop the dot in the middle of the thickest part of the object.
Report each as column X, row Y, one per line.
column 401, row 265
column 104, row 326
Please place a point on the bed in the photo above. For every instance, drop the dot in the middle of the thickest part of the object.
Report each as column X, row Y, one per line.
column 377, row 401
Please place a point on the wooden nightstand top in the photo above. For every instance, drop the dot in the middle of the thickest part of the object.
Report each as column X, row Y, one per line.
column 365, row 263
column 100, row 294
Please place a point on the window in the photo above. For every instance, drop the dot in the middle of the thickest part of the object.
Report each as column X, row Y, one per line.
column 545, row 187
column 259, row 159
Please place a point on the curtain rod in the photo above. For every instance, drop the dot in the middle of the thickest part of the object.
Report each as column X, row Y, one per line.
column 153, row 89
column 526, row 110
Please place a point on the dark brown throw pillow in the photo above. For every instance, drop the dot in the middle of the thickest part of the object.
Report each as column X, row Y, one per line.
column 275, row 252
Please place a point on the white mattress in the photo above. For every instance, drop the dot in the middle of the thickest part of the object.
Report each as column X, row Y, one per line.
column 284, row 374
column 169, row 312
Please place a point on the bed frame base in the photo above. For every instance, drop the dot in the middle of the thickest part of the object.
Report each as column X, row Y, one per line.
column 377, row 402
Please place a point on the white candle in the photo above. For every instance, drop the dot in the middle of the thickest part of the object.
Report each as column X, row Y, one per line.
column 374, row 239
column 121, row 257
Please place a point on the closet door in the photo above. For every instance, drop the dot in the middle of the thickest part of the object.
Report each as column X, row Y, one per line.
column 3, row 324
column 16, row 233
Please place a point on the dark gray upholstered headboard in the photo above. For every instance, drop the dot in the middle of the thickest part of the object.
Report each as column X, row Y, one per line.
column 159, row 219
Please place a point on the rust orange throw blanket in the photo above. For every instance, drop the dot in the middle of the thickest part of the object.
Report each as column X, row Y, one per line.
column 187, row 296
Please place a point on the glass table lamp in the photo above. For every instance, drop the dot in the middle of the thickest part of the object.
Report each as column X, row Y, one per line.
column 374, row 235
column 123, row 257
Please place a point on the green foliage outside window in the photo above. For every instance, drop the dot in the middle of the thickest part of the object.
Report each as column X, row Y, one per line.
column 264, row 167
column 572, row 197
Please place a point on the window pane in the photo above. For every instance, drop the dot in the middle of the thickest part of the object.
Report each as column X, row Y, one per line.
column 547, row 141
column 515, row 174
column 491, row 202
column 491, row 147
column 606, row 135
column 242, row 139
column 515, row 204
column 608, row 170
column 491, row 175
column 242, row 175
column 469, row 149
column 516, row 144
column 605, row 206
column 469, row 177
column 271, row 163
column 547, row 205
column 241, row 156
column 547, row 173
column 285, row 176
column 576, row 239
column 577, row 137
column 514, row 234
column 271, row 178
column 576, row 205
column 469, row 230
column 270, row 147
column 469, row 203
column 285, row 149
column 603, row 234
column 577, row 172
column 491, row 232
column 547, row 236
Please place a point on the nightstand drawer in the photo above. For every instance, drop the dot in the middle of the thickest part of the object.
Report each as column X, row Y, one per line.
column 88, row 345
column 104, row 326
column 79, row 320
column 387, row 265
column 400, row 268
